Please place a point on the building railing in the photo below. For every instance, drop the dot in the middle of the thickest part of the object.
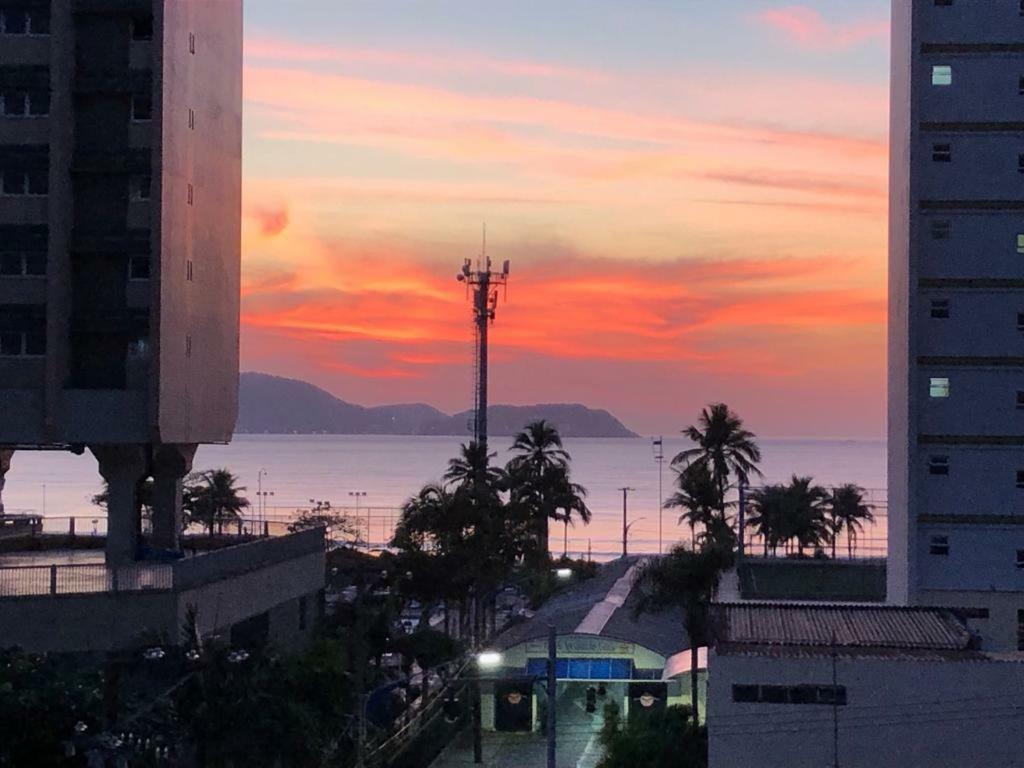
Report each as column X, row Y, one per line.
column 85, row 579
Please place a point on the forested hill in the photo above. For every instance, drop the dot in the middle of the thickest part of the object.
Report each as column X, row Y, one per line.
column 275, row 405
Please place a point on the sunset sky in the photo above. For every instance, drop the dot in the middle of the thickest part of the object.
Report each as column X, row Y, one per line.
column 692, row 194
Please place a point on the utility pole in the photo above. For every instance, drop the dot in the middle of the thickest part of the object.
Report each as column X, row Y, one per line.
column 552, row 694
column 742, row 517
column 625, row 515
column 359, row 495
column 835, row 704
column 659, row 456
column 485, row 285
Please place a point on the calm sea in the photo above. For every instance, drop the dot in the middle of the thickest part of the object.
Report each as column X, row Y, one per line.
column 389, row 469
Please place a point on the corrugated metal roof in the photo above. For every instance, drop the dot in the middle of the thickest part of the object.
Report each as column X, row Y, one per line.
column 844, row 626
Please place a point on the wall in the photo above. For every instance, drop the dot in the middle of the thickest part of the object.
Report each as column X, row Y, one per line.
column 197, row 400
column 900, row 714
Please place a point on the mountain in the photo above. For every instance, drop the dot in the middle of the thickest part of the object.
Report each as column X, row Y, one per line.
column 275, row 405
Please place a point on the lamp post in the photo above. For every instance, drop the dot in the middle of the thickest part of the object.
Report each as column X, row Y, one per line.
column 260, row 498
column 625, row 514
column 357, row 495
column 658, row 444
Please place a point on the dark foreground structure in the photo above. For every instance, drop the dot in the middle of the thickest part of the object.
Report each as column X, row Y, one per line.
column 120, row 221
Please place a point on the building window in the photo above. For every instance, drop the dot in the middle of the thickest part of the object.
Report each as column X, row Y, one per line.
column 19, row 21
column 142, row 108
column 944, row 3
column 942, row 75
column 938, row 387
column 25, row 103
column 789, row 694
column 1020, row 630
column 188, row 270
column 1020, row 560
column 1020, row 83
column 140, row 187
column 142, row 28
column 192, row 43
column 1020, row 399
column 22, row 331
column 1020, row 478
column 940, row 309
column 191, row 194
column 138, row 267
column 938, row 465
column 1020, row 163
column 938, row 545
column 942, row 153
column 1020, row 321
column 22, row 265
column 1020, row 244
column 35, row 183
column 941, row 230
column 191, row 119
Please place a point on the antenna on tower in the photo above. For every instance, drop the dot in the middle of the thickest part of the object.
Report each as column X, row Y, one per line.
column 485, row 286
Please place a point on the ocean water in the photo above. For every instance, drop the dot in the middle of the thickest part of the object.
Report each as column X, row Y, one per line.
column 389, row 469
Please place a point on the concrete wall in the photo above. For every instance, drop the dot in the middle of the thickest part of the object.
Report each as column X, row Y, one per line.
column 901, row 565
column 900, row 713
column 197, row 342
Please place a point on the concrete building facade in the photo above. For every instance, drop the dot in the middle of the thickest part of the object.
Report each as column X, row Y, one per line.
column 794, row 686
column 956, row 311
column 120, row 221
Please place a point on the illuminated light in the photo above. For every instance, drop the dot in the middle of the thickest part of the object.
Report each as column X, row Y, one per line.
column 489, row 659
column 564, row 573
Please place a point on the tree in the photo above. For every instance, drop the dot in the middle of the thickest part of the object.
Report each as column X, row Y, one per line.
column 684, row 580
column 723, row 446
column 143, row 497
column 335, row 522
column 847, row 510
column 768, row 514
column 697, row 496
column 213, row 497
column 539, row 471
column 570, row 499
column 661, row 739
column 805, row 522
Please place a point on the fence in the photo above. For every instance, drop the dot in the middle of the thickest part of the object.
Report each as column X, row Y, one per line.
column 92, row 578
column 35, row 580
column 869, row 541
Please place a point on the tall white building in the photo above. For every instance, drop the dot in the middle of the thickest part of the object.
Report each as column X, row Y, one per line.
column 956, row 311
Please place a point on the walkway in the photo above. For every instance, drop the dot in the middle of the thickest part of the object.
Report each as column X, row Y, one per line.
column 577, row 741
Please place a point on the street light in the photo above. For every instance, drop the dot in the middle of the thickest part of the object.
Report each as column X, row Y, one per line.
column 489, row 659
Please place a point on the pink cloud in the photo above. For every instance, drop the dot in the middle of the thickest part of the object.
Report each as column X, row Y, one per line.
column 808, row 28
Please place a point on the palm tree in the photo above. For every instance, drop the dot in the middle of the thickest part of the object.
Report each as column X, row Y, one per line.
column 768, row 514
column 805, row 520
column 571, row 499
column 685, row 580
column 472, row 467
column 846, row 509
column 723, row 446
column 697, row 497
column 539, row 469
column 213, row 497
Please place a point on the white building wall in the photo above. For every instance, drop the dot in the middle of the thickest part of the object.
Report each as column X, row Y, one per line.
column 899, row 714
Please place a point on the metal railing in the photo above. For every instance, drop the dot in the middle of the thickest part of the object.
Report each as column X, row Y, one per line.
column 93, row 578
column 37, row 580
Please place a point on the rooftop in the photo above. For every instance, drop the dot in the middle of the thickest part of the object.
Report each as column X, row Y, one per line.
column 603, row 607
column 861, row 627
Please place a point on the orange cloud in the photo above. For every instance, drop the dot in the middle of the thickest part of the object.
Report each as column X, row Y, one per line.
column 272, row 221
column 808, row 28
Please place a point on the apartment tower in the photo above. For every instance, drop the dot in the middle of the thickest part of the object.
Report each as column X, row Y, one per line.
column 120, row 164
column 956, row 311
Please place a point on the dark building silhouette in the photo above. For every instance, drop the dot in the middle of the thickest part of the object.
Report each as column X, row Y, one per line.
column 956, row 311
column 120, row 208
